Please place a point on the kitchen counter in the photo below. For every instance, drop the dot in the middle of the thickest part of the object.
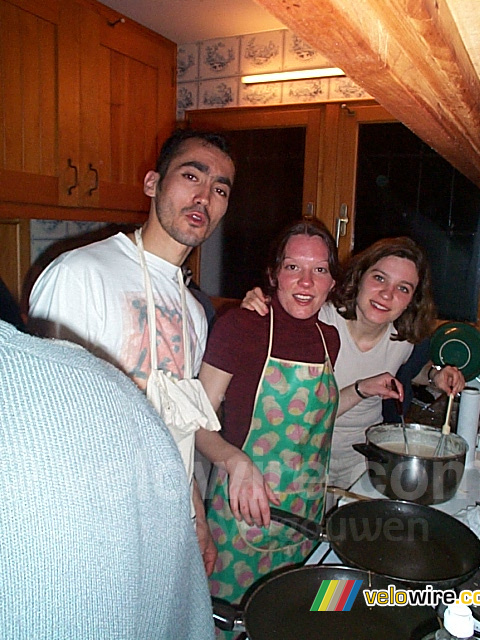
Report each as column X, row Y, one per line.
column 467, row 495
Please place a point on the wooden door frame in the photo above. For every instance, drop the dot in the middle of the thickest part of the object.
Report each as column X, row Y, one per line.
column 239, row 118
column 15, row 258
column 340, row 178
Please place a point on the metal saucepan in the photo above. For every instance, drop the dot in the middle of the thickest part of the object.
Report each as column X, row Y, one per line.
column 418, row 476
column 404, row 541
column 279, row 607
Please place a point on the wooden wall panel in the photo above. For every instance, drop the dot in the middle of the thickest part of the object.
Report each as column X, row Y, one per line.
column 15, row 254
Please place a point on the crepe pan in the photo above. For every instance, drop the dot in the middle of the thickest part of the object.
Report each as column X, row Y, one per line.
column 279, row 607
column 404, row 541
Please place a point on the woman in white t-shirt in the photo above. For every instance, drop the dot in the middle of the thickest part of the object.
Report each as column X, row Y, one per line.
column 381, row 308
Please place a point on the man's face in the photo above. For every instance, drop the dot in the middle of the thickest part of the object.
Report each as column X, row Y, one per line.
column 193, row 196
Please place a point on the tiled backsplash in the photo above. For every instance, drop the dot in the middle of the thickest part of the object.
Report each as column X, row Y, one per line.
column 209, row 72
column 45, row 233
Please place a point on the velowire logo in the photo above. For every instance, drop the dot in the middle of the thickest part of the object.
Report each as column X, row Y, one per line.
column 336, row 595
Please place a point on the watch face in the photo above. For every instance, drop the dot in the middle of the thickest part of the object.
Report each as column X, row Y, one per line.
column 457, row 344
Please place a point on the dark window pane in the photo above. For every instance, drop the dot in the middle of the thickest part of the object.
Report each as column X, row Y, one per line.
column 406, row 188
column 266, row 197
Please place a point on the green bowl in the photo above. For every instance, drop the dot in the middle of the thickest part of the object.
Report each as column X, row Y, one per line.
column 457, row 344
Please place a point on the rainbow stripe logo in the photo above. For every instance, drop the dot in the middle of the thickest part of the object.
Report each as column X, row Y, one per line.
column 336, row 595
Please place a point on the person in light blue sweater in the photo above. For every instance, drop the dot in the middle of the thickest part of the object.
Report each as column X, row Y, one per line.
column 96, row 540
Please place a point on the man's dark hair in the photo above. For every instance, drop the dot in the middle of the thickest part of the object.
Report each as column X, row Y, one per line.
column 172, row 146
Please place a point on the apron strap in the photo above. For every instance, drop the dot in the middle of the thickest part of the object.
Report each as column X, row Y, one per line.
column 270, row 337
column 325, row 348
column 151, row 321
column 187, row 352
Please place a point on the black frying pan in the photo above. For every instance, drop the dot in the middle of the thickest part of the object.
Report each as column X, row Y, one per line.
column 401, row 540
column 279, row 607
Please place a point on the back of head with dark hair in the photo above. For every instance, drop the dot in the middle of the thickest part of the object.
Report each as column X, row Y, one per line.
column 173, row 146
column 301, row 228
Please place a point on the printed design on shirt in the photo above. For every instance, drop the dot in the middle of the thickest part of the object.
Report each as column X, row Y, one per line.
column 136, row 342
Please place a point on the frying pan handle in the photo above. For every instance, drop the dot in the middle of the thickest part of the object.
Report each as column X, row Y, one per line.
column 310, row 529
column 369, row 452
column 226, row 616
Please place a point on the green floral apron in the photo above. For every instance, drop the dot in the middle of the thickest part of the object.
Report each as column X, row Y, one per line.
column 289, row 441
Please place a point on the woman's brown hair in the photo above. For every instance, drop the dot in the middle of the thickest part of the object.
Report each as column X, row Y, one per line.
column 415, row 323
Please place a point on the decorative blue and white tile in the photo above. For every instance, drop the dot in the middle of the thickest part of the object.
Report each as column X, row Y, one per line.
column 219, row 58
column 79, row 227
column 299, row 91
column 256, row 95
column 301, row 55
column 51, row 229
column 217, row 94
column 187, row 97
column 262, row 52
column 346, row 89
column 45, row 233
column 38, row 248
column 187, row 62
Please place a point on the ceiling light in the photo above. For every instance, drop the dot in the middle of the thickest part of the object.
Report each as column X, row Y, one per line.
column 282, row 76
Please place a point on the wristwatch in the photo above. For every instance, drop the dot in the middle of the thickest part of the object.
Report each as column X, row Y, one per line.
column 358, row 392
column 434, row 367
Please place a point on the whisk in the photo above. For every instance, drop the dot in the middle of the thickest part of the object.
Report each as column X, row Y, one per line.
column 399, row 407
column 440, row 448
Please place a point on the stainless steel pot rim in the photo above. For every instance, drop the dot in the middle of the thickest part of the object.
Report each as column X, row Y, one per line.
column 413, row 426
column 381, row 434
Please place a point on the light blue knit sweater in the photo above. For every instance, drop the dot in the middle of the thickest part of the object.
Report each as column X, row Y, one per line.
column 95, row 534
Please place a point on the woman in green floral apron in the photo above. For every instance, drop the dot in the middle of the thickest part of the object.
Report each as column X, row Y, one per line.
column 276, row 374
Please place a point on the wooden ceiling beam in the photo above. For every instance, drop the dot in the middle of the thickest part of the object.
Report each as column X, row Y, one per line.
column 408, row 55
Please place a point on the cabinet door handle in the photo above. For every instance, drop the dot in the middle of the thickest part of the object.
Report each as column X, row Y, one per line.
column 95, row 171
column 341, row 223
column 75, row 173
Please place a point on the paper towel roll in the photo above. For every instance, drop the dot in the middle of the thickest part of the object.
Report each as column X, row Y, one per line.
column 467, row 423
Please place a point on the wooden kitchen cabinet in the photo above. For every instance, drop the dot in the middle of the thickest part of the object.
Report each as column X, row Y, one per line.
column 86, row 102
column 28, row 102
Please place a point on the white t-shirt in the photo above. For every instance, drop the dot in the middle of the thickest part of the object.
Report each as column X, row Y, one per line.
column 95, row 296
column 353, row 364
